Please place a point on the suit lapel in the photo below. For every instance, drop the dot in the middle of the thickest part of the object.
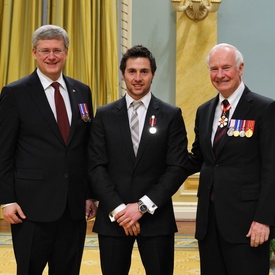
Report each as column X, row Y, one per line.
column 242, row 108
column 123, row 121
column 72, row 91
column 37, row 92
column 209, row 116
column 153, row 109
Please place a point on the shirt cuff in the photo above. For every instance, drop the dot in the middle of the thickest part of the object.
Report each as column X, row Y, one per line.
column 7, row 204
column 149, row 203
column 115, row 211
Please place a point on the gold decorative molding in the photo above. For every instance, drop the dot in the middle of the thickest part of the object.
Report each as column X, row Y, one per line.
column 126, row 31
column 126, row 24
column 196, row 10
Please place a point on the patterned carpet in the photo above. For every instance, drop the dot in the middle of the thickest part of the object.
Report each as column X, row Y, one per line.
column 186, row 257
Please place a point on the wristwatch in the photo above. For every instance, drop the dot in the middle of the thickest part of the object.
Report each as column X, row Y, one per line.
column 142, row 208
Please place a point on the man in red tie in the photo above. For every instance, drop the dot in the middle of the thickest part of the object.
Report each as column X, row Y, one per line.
column 43, row 185
column 236, row 213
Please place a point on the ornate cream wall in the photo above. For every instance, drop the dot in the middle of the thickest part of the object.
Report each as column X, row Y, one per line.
column 193, row 87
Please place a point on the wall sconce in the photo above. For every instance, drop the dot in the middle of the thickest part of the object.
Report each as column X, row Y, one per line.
column 196, row 9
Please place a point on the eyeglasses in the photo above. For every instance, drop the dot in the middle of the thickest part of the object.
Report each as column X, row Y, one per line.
column 46, row 52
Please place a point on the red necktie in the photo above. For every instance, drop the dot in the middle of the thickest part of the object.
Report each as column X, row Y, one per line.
column 222, row 127
column 61, row 113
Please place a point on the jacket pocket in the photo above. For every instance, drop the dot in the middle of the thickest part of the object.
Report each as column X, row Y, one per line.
column 250, row 195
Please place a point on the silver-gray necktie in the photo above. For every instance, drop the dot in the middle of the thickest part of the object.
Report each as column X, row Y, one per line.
column 134, row 125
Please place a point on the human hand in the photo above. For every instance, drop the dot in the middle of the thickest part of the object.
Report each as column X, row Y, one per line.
column 258, row 233
column 128, row 216
column 133, row 230
column 91, row 208
column 13, row 213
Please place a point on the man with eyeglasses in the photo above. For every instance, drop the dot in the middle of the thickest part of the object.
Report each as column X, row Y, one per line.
column 45, row 120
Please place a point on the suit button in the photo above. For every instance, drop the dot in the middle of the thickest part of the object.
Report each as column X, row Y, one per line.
column 66, row 175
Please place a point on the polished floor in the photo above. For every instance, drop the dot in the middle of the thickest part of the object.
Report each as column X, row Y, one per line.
column 184, row 227
column 186, row 253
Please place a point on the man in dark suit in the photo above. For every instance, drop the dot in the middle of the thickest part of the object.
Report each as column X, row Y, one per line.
column 43, row 170
column 135, row 178
column 236, row 213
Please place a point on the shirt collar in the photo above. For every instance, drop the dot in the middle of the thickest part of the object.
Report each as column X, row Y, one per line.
column 145, row 100
column 234, row 98
column 46, row 81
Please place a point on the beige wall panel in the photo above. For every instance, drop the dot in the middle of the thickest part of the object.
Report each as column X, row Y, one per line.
column 193, row 86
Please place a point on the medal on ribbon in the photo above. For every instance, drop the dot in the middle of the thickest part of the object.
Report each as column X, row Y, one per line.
column 84, row 112
column 153, row 122
column 250, row 124
column 242, row 132
column 230, row 131
column 241, row 128
column 237, row 127
column 223, row 119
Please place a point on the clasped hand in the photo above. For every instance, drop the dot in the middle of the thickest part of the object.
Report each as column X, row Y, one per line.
column 128, row 219
column 91, row 209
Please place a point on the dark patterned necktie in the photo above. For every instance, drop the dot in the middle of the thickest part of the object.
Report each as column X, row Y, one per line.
column 222, row 127
column 61, row 113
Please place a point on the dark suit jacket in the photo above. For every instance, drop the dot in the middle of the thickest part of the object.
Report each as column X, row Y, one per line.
column 158, row 170
column 37, row 170
column 243, row 175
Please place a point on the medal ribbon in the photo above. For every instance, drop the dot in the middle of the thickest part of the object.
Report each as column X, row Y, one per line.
column 81, row 109
column 153, row 121
column 232, row 123
column 237, row 124
column 225, row 109
column 250, row 125
column 243, row 125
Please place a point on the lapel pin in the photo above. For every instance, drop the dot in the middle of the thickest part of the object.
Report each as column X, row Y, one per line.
column 153, row 122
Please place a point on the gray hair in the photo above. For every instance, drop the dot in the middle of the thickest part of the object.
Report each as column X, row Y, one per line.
column 238, row 56
column 48, row 32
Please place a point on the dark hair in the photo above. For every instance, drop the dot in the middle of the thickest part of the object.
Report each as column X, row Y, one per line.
column 135, row 52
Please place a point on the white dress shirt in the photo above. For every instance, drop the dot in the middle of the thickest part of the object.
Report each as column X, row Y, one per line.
column 233, row 101
column 49, row 91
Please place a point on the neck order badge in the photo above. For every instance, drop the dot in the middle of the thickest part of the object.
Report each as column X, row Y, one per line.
column 221, row 129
